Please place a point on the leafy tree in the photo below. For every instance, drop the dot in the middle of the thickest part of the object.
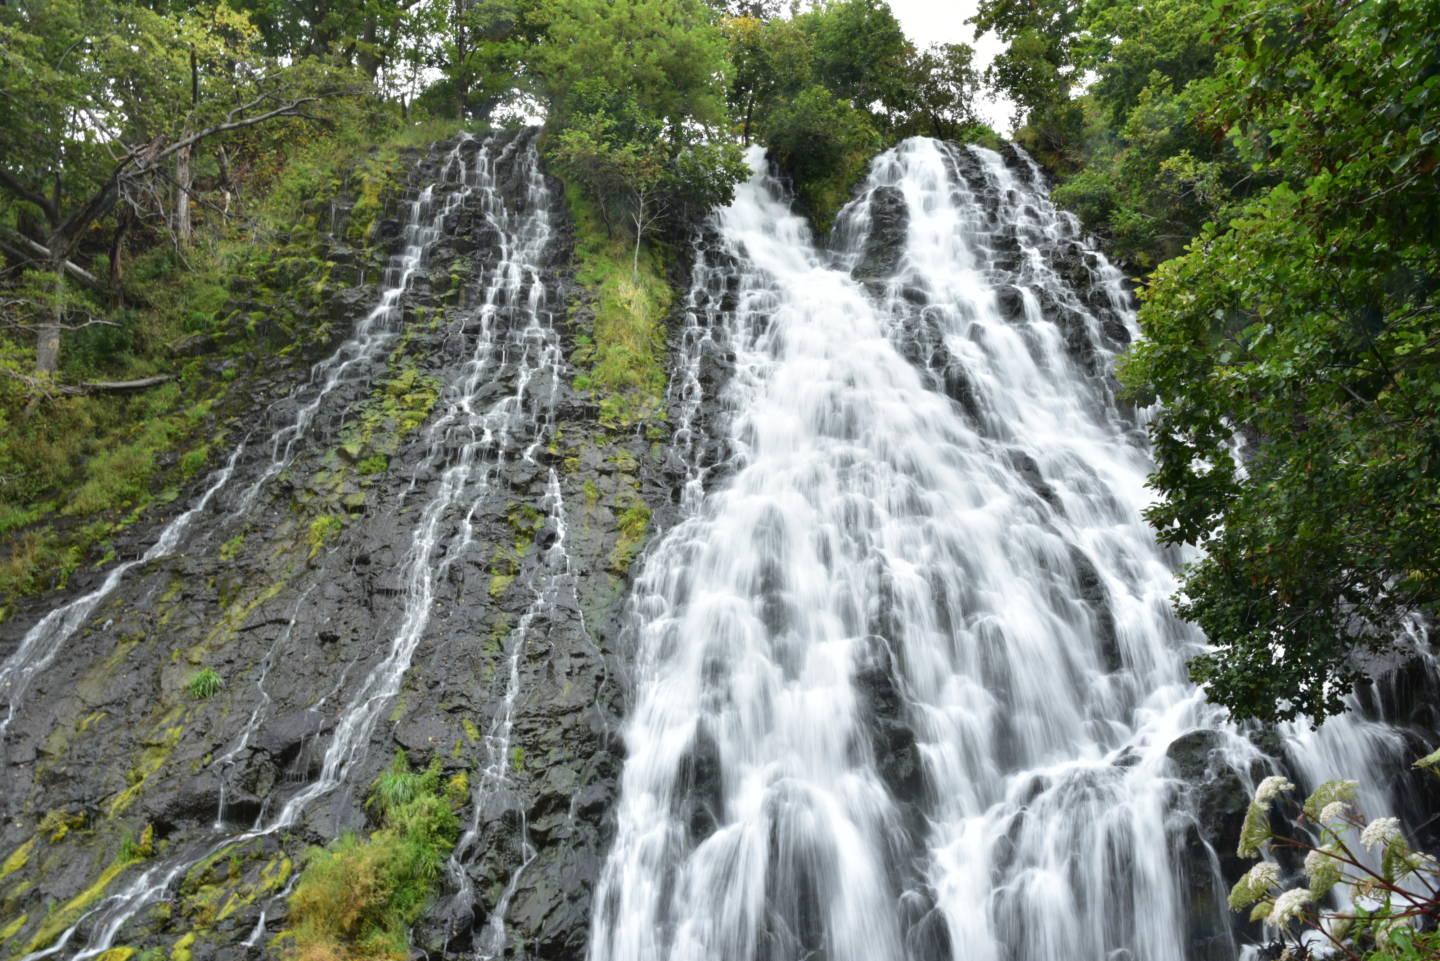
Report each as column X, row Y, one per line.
column 861, row 55
column 1037, row 71
column 97, row 97
column 772, row 61
column 486, row 52
column 945, row 86
column 1307, row 326
column 825, row 142
column 667, row 54
column 638, row 110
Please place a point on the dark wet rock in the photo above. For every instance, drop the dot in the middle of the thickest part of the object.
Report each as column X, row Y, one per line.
column 1219, row 799
column 885, row 244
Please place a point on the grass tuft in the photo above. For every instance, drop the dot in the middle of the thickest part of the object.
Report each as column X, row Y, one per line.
column 204, row 683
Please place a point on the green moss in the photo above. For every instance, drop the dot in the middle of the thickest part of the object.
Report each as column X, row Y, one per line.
column 231, row 549
column 322, row 529
column 58, row 824
column 67, row 914
column 18, row 858
column 517, row 758
column 182, row 949
column 153, row 756
column 13, row 928
column 634, row 523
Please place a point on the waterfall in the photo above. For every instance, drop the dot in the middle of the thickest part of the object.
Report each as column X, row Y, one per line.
column 907, row 677
column 509, row 333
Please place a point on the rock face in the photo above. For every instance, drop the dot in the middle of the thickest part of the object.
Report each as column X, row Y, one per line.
column 450, row 490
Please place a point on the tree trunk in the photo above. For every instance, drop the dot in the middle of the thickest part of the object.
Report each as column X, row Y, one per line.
column 183, row 180
column 117, row 253
column 47, row 343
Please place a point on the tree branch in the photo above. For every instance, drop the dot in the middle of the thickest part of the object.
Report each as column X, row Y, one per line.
column 18, row 245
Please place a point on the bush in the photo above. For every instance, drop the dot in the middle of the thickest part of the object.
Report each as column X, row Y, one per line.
column 358, row 897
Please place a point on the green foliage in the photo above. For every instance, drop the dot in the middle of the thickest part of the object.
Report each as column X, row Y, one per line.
column 623, row 358
column 358, row 897
column 826, row 143
column 204, row 683
column 860, row 55
column 1306, row 324
column 395, row 786
column 374, row 464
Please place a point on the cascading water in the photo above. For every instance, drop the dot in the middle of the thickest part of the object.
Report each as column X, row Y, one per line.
column 509, row 333
column 907, row 675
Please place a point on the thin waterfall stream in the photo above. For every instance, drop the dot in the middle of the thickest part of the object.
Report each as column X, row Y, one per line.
column 907, row 678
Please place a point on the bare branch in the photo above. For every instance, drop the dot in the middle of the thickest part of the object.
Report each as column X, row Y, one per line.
column 18, row 245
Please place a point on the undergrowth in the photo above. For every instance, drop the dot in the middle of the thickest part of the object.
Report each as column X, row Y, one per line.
column 623, row 355
column 76, row 470
column 357, row 898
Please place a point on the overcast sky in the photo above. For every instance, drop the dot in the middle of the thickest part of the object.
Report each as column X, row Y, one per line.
column 943, row 21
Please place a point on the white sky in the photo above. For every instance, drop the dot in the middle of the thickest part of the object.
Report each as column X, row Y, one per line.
column 943, row 21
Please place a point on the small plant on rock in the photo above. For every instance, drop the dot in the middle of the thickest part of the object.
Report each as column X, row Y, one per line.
column 204, row 683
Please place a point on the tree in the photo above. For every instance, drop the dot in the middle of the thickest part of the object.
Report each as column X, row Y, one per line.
column 861, row 55
column 945, row 84
column 1307, row 326
column 638, row 115
column 667, row 55
column 772, row 61
column 825, row 143
column 98, row 98
column 1037, row 69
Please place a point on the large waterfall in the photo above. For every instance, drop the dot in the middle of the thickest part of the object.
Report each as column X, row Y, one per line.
column 907, row 674
column 898, row 680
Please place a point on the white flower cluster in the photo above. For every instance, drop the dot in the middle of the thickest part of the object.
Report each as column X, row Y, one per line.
column 1263, row 876
column 1271, row 788
column 1380, row 832
column 1334, row 812
column 1287, row 906
column 1322, row 870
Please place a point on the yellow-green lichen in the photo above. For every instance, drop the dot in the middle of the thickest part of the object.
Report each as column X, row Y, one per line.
column 17, row 858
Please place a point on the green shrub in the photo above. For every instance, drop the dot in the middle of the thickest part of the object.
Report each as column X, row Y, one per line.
column 358, row 897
